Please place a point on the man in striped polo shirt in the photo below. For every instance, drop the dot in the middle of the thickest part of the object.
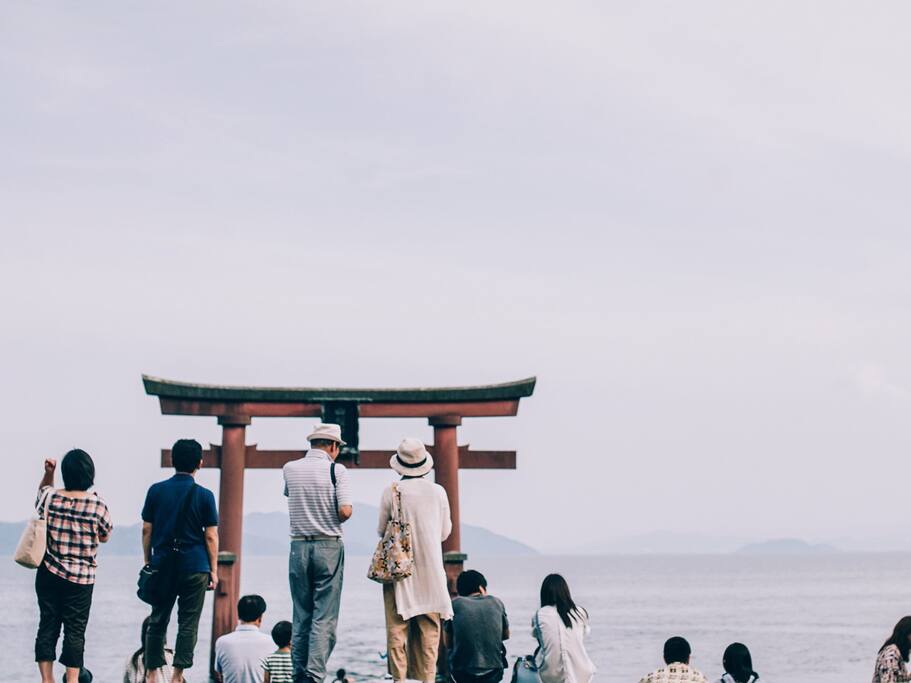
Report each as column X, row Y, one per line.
column 319, row 501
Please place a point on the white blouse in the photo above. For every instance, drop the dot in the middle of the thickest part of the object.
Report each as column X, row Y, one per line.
column 562, row 658
column 425, row 507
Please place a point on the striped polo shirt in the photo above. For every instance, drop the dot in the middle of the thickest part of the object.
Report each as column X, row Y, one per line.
column 313, row 501
column 279, row 666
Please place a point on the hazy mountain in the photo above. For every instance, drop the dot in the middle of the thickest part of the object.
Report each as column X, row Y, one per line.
column 787, row 546
column 665, row 542
column 267, row 534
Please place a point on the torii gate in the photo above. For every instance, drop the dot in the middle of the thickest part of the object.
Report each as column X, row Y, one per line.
column 235, row 407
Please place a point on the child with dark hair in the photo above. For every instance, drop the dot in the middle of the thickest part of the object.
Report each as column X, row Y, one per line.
column 277, row 666
column 476, row 632
column 738, row 665
column 677, row 669
column 891, row 663
column 135, row 670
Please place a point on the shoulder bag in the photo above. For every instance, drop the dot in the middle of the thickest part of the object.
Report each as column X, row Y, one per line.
column 393, row 559
column 526, row 669
column 33, row 542
column 155, row 585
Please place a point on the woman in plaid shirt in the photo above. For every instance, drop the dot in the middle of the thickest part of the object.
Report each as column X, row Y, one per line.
column 77, row 521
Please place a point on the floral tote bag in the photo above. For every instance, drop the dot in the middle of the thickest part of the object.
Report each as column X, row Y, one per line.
column 394, row 556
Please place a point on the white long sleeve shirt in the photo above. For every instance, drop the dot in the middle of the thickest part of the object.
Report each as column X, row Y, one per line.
column 563, row 658
column 425, row 507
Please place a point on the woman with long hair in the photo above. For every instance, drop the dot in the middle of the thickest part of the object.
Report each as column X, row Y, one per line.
column 135, row 671
column 738, row 665
column 560, row 627
column 893, row 655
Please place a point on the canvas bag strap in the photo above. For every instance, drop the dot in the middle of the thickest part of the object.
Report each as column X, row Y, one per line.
column 396, row 503
column 181, row 520
column 41, row 508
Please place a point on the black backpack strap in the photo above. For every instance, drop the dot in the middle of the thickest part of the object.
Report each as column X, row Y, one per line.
column 181, row 520
column 332, row 474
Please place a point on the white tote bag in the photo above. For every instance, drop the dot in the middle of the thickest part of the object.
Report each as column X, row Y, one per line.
column 33, row 543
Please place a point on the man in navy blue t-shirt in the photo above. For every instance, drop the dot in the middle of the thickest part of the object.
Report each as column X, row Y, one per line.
column 197, row 549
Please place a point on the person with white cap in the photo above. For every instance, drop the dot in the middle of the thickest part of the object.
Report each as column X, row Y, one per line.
column 415, row 606
column 319, row 501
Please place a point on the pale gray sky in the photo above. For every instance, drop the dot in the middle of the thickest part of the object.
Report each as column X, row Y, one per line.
column 689, row 220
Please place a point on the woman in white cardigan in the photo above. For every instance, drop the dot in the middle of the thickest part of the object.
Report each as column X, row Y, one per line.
column 560, row 627
column 416, row 606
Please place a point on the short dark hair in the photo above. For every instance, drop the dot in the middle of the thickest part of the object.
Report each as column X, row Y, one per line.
column 281, row 634
column 185, row 455
column 251, row 607
column 78, row 470
column 677, row 650
column 470, row 581
column 323, row 443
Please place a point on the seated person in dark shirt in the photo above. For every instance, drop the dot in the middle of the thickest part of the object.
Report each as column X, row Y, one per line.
column 476, row 633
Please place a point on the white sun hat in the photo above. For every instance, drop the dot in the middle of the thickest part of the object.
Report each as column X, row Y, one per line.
column 411, row 459
column 327, row 432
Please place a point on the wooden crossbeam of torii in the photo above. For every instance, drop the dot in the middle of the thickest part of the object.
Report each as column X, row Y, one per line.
column 367, row 460
column 236, row 407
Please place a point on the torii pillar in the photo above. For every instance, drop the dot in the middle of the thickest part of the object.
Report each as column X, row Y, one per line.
column 446, row 472
column 235, row 407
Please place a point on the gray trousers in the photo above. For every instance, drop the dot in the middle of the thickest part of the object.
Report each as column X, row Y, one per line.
column 315, row 570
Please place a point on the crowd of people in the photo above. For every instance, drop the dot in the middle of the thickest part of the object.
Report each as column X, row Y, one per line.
column 180, row 526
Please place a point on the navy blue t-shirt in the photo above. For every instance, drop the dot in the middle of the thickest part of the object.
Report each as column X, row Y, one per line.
column 163, row 503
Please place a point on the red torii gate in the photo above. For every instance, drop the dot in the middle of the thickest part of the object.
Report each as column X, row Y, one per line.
column 235, row 407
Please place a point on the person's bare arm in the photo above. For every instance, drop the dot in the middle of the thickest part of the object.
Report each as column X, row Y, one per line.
column 147, row 541
column 50, row 466
column 212, row 551
column 345, row 512
column 267, row 677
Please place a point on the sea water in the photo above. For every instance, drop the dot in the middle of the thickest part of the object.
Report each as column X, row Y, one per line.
column 805, row 619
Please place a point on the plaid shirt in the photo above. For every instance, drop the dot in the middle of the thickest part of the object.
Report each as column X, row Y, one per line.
column 675, row 673
column 74, row 526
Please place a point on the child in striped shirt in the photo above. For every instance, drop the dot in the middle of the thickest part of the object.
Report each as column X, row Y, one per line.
column 277, row 666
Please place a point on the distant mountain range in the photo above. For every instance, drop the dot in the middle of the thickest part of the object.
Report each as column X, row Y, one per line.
column 676, row 543
column 787, row 546
column 266, row 533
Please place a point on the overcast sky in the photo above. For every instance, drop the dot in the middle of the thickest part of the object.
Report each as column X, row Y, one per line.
column 689, row 220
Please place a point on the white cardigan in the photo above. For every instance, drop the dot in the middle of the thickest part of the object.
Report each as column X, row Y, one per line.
column 563, row 658
column 425, row 507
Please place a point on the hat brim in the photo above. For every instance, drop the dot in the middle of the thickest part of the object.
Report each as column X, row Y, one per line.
column 396, row 465
column 326, row 437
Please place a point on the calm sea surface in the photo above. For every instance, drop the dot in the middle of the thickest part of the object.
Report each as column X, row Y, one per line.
column 806, row 620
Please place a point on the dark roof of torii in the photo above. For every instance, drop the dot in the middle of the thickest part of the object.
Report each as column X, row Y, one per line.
column 164, row 388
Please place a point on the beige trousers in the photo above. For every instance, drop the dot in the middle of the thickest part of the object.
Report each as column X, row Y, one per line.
column 412, row 645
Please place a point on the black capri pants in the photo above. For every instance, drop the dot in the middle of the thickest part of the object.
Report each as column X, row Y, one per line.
column 61, row 603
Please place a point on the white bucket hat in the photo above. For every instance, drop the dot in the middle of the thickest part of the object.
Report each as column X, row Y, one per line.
column 411, row 459
column 327, row 432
